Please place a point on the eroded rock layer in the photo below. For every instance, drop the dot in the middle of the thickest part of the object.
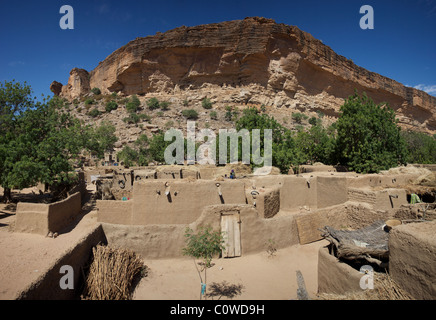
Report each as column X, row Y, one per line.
column 250, row 61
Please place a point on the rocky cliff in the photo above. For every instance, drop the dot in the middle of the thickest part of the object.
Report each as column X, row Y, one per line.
column 253, row 61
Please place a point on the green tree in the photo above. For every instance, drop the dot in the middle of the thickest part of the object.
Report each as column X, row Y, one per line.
column 316, row 145
column 203, row 245
column 368, row 138
column 157, row 146
column 100, row 139
column 284, row 153
column 421, row 147
column 128, row 156
column 37, row 139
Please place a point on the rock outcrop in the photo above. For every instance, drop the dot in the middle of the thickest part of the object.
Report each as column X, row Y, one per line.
column 252, row 61
column 56, row 88
column 78, row 84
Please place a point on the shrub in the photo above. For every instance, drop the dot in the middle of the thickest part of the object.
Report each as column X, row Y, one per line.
column 314, row 121
column 144, row 116
column 228, row 115
column 96, row 91
column 153, row 103
column 213, row 115
column 190, row 114
column 111, row 105
column 133, row 104
column 298, row 117
column 164, row 105
column 169, row 124
column 132, row 118
column 89, row 101
column 206, row 103
column 131, row 108
column 94, row 113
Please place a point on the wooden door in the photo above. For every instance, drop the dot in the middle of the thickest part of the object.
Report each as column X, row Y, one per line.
column 230, row 226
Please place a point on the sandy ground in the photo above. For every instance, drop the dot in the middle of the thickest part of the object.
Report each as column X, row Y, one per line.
column 251, row 277
column 25, row 257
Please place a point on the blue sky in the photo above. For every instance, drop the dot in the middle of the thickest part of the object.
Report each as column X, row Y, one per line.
column 33, row 47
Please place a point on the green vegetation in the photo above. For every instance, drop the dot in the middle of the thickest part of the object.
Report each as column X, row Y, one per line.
column 190, row 114
column 89, row 101
column 206, row 103
column 231, row 113
column 153, row 103
column 365, row 138
column 213, row 115
column 94, row 113
column 421, row 147
column 132, row 105
column 39, row 141
column 368, row 138
column 203, row 245
column 299, row 117
column 111, row 105
column 145, row 150
column 164, row 105
column 134, row 118
column 96, row 91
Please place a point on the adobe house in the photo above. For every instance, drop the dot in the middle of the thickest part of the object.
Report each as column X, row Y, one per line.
column 287, row 209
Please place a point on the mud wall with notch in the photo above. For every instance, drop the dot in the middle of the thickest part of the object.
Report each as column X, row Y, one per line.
column 181, row 202
column 40, row 218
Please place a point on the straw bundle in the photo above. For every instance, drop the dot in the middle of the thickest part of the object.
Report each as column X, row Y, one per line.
column 384, row 289
column 112, row 273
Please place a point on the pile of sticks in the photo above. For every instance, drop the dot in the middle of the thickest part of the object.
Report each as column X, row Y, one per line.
column 375, row 239
column 112, row 273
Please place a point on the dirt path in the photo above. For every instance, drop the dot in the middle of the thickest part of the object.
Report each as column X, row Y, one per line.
column 259, row 276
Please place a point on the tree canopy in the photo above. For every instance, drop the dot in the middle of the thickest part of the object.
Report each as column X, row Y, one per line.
column 368, row 137
column 39, row 140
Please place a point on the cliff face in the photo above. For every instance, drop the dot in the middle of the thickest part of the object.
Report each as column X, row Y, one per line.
column 252, row 61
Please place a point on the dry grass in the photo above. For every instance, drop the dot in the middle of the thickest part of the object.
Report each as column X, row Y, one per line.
column 384, row 289
column 112, row 273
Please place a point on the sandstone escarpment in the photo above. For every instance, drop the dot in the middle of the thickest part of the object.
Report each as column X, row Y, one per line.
column 252, row 61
